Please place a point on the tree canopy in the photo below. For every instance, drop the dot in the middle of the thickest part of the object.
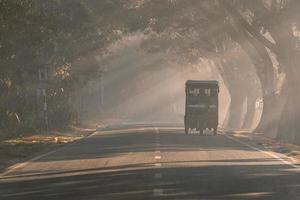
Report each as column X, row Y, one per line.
column 58, row 34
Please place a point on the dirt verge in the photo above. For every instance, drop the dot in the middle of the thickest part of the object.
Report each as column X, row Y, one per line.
column 22, row 148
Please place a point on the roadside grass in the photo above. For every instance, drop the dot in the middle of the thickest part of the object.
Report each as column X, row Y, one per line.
column 271, row 144
column 19, row 149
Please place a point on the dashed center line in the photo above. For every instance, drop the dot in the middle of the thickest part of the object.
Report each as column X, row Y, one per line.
column 157, row 157
column 157, row 192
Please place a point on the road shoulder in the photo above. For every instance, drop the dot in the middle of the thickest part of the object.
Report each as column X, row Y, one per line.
column 264, row 143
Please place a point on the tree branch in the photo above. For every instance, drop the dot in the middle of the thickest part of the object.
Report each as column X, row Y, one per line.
column 242, row 22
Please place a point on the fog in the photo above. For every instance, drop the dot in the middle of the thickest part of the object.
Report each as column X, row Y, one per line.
column 141, row 86
column 67, row 62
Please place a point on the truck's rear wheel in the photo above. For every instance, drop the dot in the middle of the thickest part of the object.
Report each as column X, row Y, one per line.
column 215, row 131
column 201, row 131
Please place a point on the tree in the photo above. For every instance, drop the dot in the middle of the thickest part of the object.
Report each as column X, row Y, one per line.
column 279, row 20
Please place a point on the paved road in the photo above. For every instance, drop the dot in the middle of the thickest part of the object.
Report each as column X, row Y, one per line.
column 153, row 162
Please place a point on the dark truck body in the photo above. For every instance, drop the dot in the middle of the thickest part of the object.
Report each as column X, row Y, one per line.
column 201, row 107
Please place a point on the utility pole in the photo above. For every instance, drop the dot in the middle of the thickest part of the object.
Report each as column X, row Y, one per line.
column 101, row 90
column 42, row 97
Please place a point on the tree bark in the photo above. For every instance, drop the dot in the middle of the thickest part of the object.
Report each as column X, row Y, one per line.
column 265, row 71
column 235, row 85
column 235, row 110
column 288, row 59
column 289, row 125
column 249, row 118
column 280, row 28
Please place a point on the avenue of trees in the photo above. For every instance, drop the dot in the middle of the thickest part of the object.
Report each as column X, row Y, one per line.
column 252, row 44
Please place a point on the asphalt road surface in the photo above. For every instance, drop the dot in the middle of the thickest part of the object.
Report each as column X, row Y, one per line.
column 153, row 162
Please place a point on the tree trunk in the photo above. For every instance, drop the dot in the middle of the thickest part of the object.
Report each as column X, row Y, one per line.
column 235, row 85
column 235, row 110
column 288, row 59
column 272, row 108
column 287, row 121
column 265, row 72
column 249, row 118
column 289, row 124
column 280, row 28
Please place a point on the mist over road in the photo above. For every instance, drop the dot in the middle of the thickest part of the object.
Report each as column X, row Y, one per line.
column 153, row 161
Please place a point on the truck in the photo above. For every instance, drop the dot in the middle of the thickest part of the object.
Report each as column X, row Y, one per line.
column 201, row 106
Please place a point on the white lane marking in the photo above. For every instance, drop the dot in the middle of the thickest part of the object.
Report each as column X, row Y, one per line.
column 265, row 152
column 157, row 164
column 158, row 175
column 19, row 165
column 157, row 157
column 157, row 152
column 158, row 192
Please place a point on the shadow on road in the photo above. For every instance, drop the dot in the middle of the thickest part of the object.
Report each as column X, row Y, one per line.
column 207, row 182
column 111, row 143
column 237, row 177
